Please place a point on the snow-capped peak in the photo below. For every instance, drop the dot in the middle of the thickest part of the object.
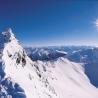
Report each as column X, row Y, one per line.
column 23, row 71
column 51, row 79
column 9, row 34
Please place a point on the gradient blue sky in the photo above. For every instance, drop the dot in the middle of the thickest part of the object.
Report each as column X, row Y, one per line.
column 51, row 22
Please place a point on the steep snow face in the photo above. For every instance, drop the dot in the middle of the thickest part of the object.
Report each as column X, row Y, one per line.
column 68, row 79
column 51, row 79
column 23, row 71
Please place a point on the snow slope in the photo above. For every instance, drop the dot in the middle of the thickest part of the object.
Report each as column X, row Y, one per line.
column 52, row 79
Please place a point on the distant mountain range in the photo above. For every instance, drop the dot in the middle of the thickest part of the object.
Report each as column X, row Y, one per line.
column 87, row 55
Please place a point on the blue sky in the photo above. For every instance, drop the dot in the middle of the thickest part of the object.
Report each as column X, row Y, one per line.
column 51, row 22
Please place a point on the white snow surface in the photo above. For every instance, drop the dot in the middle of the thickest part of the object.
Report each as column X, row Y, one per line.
column 52, row 79
column 63, row 52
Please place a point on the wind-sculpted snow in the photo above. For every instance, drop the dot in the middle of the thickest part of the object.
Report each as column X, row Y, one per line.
column 24, row 78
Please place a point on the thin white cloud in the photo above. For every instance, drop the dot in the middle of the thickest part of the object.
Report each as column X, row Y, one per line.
column 96, row 23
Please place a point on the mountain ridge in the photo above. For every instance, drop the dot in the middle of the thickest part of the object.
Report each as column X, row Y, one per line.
column 52, row 79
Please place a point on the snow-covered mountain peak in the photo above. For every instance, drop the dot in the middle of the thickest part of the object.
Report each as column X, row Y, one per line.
column 42, row 79
column 6, row 37
column 22, row 70
column 9, row 34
